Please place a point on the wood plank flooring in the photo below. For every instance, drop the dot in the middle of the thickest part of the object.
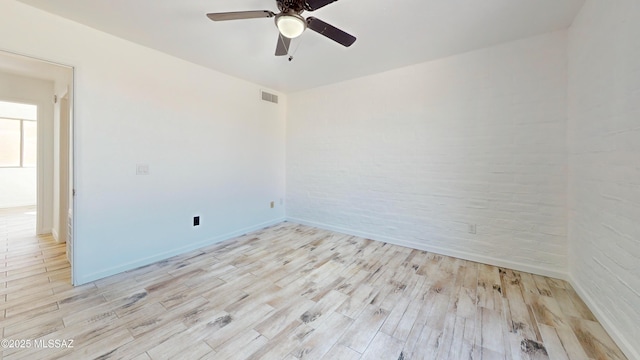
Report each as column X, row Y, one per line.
column 287, row 292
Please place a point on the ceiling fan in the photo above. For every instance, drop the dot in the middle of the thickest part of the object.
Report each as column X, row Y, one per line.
column 290, row 23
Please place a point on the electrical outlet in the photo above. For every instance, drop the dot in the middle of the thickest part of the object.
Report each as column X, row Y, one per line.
column 196, row 221
column 472, row 228
column 273, row 204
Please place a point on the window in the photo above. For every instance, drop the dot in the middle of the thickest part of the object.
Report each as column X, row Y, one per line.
column 18, row 134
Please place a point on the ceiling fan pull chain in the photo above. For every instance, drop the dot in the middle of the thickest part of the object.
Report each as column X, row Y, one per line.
column 296, row 49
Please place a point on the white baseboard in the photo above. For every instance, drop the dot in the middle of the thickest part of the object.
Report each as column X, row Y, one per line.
column 54, row 233
column 45, row 231
column 439, row 250
column 17, row 205
column 624, row 343
column 83, row 279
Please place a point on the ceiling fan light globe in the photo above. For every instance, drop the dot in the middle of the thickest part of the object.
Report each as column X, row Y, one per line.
column 291, row 26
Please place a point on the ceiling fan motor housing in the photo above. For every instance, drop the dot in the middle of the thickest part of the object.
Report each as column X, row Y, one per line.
column 291, row 5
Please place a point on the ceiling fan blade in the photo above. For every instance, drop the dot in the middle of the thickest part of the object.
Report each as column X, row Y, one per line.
column 312, row 5
column 283, row 45
column 330, row 31
column 238, row 15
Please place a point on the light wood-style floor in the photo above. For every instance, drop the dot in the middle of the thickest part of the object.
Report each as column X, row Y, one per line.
column 288, row 292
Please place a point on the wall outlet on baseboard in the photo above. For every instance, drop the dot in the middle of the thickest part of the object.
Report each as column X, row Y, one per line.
column 196, row 221
column 472, row 228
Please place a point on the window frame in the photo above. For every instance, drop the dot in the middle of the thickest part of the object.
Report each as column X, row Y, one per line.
column 21, row 166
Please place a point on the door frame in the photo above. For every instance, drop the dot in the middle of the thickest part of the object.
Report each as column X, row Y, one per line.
column 69, row 215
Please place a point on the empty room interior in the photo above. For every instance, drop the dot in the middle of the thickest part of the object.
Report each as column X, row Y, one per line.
column 320, row 179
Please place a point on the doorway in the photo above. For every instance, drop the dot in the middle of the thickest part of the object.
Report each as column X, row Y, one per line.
column 38, row 207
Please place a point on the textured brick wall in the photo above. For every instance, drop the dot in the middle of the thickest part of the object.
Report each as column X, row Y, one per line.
column 414, row 155
column 604, row 159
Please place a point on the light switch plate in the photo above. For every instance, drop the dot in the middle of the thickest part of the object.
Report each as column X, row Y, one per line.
column 142, row 169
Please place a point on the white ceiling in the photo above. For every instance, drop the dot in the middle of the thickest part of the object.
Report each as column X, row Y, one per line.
column 390, row 34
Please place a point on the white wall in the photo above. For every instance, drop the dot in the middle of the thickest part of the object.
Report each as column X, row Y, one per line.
column 414, row 155
column 18, row 186
column 604, row 159
column 213, row 147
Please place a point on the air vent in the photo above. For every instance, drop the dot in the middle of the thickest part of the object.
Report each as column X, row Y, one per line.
column 269, row 97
